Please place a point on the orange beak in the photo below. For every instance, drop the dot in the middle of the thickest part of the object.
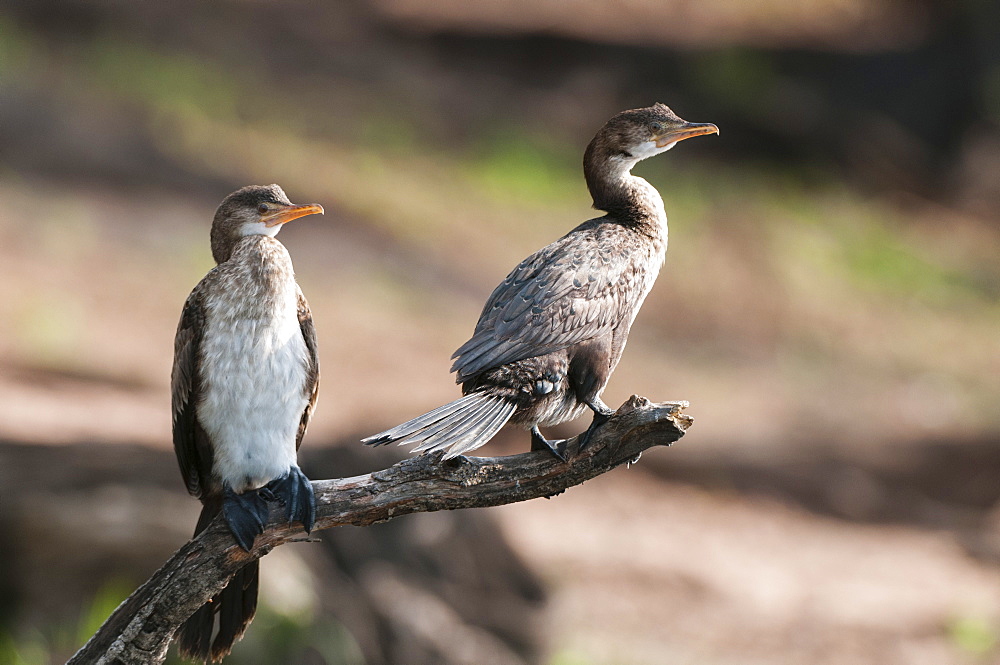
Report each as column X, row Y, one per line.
column 685, row 131
column 288, row 213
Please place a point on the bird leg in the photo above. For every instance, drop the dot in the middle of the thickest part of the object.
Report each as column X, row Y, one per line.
column 539, row 442
column 295, row 492
column 602, row 414
column 245, row 514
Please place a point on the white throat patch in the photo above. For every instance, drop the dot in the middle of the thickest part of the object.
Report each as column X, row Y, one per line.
column 259, row 229
column 649, row 148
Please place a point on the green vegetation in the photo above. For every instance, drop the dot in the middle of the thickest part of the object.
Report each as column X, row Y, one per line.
column 16, row 49
column 278, row 638
column 26, row 651
column 512, row 167
column 275, row 637
column 43, row 648
column 179, row 83
column 397, row 180
column 570, row 658
column 817, row 248
column 974, row 635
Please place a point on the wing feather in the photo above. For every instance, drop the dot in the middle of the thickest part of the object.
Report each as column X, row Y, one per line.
column 194, row 455
column 578, row 288
column 312, row 376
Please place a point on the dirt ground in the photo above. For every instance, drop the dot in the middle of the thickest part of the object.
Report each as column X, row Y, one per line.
column 650, row 572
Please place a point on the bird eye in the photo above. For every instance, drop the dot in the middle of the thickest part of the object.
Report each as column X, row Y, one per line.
column 656, row 126
column 262, row 208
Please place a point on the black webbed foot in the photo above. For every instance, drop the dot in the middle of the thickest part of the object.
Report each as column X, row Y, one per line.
column 602, row 414
column 245, row 514
column 556, row 447
column 295, row 492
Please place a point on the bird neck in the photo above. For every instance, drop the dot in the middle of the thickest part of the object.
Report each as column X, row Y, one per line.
column 628, row 199
column 262, row 260
column 236, row 247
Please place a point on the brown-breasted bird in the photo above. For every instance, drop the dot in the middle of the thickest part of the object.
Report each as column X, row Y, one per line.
column 244, row 384
column 554, row 330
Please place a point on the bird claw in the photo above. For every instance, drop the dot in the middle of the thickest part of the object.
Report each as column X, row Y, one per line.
column 600, row 417
column 556, row 447
column 245, row 515
column 295, row 491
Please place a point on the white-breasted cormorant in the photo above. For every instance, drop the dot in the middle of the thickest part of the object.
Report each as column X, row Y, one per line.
column 244, row 384
column 552, row 333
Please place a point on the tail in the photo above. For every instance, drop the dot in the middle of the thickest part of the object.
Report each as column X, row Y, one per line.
column 459, row 426
column 235, row 605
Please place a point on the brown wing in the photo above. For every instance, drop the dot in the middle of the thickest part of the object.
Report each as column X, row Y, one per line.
column 578, row 288
column 312, row 376
column 191, row 444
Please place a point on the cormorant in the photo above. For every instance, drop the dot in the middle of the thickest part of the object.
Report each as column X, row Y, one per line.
column 552, row 333
column 244, row 384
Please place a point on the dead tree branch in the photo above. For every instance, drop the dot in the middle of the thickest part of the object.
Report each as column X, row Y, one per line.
column 140, row 630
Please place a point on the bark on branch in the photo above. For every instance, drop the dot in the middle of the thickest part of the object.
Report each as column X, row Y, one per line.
column 140, row 629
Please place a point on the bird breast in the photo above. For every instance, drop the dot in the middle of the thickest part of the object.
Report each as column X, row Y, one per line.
column 253, row 366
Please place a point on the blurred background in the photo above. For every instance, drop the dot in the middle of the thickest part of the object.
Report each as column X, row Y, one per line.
column 830, row 307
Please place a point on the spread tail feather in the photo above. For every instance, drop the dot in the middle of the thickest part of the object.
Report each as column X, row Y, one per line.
column 459, row 426
column 236, row 605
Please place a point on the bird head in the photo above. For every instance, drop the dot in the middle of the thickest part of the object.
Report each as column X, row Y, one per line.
column 640, row 133
column 253, row 210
